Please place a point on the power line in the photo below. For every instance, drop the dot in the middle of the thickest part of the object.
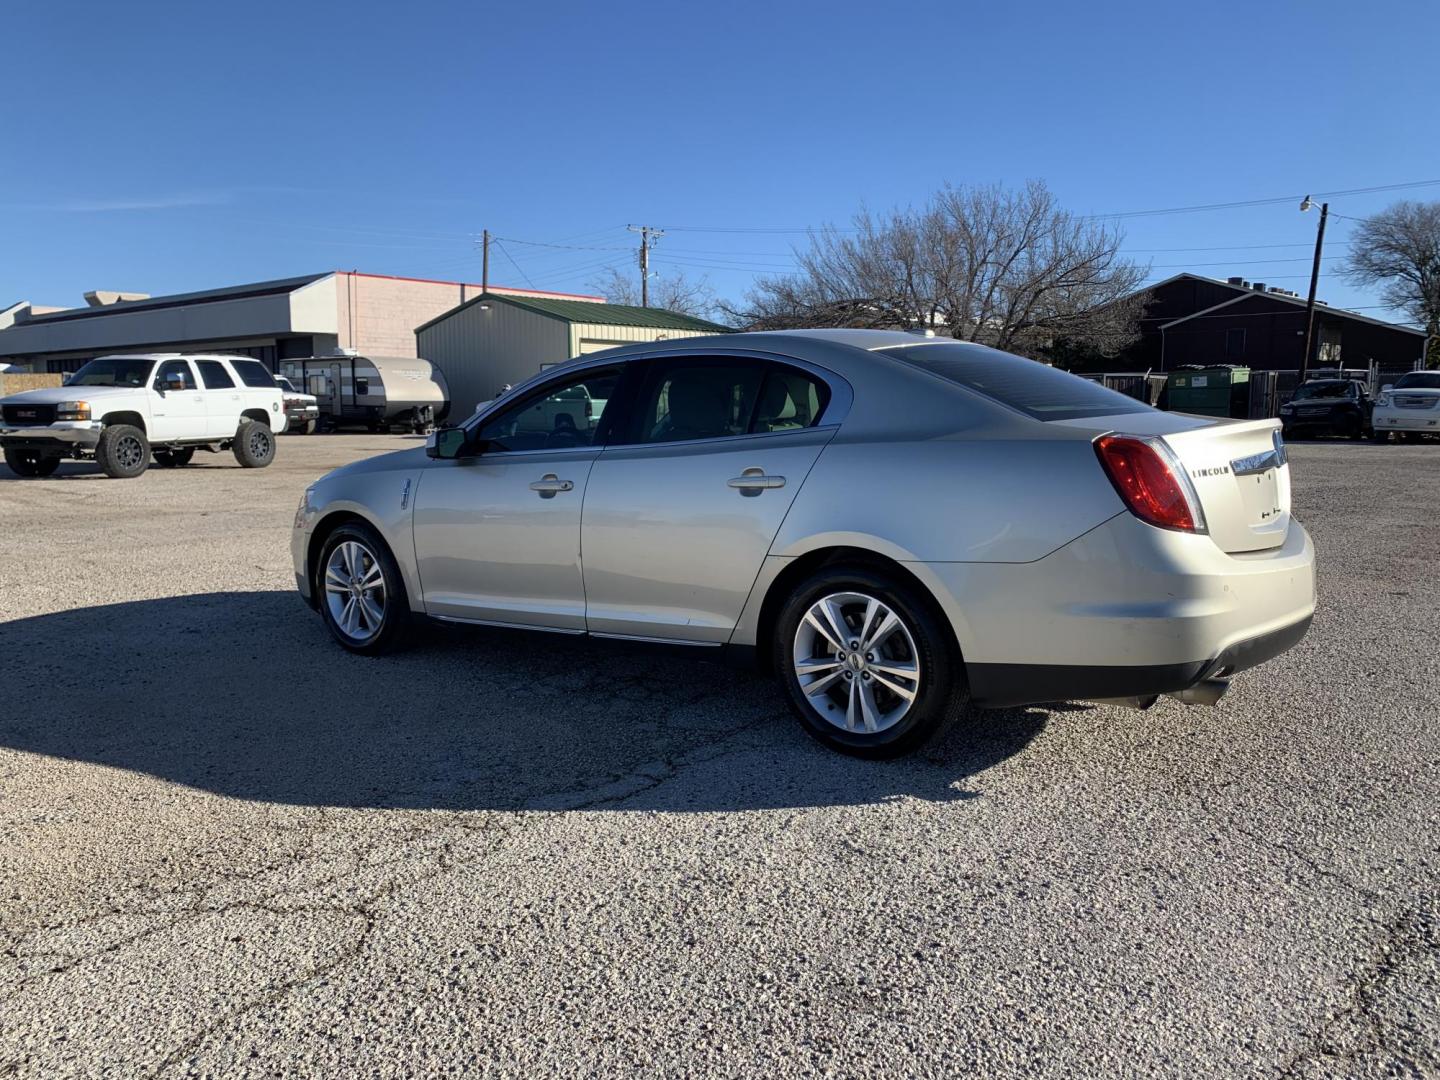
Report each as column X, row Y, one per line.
column 506, row 252
column 1265, row 202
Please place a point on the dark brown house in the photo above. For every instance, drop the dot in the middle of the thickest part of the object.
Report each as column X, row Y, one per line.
column 1198, row 320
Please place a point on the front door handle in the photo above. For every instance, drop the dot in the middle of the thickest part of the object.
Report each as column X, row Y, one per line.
column 753, row 481
column 549, row 484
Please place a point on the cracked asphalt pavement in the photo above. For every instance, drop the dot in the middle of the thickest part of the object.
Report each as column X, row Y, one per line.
column 227, row 848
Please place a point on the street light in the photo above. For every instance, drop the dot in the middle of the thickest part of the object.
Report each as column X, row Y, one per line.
column 1307, row 204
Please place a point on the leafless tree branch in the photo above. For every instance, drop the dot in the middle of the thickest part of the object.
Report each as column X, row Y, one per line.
column 986, row 264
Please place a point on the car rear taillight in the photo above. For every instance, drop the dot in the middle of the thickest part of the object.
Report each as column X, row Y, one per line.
column 1150, row 481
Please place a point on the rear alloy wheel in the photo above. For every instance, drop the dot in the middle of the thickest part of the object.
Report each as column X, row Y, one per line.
column 866, row 663
column 174, row 459
column 32, row 462
column 362, row 597
column 254, row 445
column 123, row 452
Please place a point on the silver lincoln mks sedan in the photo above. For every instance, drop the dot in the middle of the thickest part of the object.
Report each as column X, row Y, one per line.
column 896, row 525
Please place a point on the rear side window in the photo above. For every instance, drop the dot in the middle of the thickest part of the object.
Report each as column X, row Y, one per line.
column 253, row 373
column 689, row 399
column 214, row 375
column 789, row 400
column 1042, row 392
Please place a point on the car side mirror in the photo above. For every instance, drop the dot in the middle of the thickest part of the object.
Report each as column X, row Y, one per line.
column 447, row 444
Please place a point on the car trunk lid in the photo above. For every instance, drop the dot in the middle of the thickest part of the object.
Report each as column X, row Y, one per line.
column 1236, row 467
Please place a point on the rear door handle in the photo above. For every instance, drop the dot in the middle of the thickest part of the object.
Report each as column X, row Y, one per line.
column 754, row 481
column 549, row 484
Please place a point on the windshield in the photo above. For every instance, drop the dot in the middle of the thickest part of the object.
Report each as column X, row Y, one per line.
column 1419, row 380
column 1043, row 392
column 284, row 384
column 114, row 371
column 1322, row 390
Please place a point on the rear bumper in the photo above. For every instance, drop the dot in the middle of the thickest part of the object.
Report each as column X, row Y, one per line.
column 1004, row 685
column 1122, row 611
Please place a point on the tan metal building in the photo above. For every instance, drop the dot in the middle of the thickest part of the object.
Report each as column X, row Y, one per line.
column 311, row 315
column 493, row 341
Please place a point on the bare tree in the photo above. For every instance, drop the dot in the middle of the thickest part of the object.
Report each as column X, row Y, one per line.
column 1004, row 268
column 1399, row 250
column 673, row 292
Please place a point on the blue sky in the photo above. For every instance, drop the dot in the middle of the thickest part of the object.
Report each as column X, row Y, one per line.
column 164, row 147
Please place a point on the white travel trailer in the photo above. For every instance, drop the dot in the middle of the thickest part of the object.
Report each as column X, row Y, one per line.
column 374, row 392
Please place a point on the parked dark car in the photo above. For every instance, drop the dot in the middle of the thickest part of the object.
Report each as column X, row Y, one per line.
column 1328, row 407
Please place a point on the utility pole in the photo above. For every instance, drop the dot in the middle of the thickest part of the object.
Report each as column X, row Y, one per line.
column 1306, row 204
column 485, row 262
column 648, row 235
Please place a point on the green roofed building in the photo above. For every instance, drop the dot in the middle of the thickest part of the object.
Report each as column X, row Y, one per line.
column 493, row 341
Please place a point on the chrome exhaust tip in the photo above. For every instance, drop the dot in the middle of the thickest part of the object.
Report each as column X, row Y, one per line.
column 1205, row 692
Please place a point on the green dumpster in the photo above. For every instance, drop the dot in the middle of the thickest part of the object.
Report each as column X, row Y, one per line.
column 1212, row 391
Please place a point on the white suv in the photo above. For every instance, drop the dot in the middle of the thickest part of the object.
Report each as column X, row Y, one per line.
column 1410, row 407
column 122, row 409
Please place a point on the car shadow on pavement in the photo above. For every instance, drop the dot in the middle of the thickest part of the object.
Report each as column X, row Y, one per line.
column 244, row 694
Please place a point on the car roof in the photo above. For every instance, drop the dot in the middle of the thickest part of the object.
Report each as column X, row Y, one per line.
column 174, row 356
column 868, row 340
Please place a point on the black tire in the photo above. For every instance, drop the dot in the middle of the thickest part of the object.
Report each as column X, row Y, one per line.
column 254, row 445
column 174, row 459
column 123, row 451
column 394, row 625
column 939, row 689
column 32, row 462
column 306, row 427
column 1380, row 436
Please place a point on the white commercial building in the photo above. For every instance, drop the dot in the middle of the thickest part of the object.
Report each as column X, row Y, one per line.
column 312, row 315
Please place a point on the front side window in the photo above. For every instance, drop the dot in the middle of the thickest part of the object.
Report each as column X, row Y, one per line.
column 697, row 399
column 254, row 373
column 557, row 417
column 1039, row 391
column 214, row 375
column 176, row 375
column 114, row 371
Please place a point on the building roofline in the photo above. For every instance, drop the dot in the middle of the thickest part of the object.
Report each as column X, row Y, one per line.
column 1252, row 294
column 232, row 292
column 691, row 322
column 255, row 289
column 499, row 290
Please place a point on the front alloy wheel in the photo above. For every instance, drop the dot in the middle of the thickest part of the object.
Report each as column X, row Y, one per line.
column 362, row 597
column 355, row 591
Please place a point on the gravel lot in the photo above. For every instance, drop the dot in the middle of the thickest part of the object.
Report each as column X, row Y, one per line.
column 228, row 848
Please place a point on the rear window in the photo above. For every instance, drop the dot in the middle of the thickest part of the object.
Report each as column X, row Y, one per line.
column 1045, row 393
column 253, row 373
